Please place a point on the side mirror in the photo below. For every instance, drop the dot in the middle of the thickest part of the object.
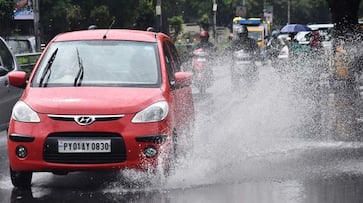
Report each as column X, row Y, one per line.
column 17, row 78
column 183, row 79
column 3, row 71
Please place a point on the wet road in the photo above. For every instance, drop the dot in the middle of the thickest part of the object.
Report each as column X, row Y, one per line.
column 258, row 147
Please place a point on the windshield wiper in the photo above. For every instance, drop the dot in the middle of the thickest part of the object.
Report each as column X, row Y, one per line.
column 47, row 69
column 79, row 77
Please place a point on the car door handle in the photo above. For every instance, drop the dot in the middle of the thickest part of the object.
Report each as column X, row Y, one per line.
column 6, row 83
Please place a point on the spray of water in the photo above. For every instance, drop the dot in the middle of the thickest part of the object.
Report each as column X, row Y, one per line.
column 243, row 128
column 236, row 136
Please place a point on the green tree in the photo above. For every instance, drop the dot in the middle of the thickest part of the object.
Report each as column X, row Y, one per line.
column 52, row 17
column 74, row 17
column 145, row 15
column 58, row 16
column 204, row 22
column 100, row 15
column 176, row 25
column 64, row 15
column 6, row 17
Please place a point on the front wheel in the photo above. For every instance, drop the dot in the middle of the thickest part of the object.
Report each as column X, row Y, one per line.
column 234, row 80
column 21, row 179
column 202, row 89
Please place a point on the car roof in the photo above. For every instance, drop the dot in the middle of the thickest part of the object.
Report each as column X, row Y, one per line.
column 108, row 34
column 20, row 37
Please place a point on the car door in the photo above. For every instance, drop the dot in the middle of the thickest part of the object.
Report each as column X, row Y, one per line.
column 182, row 96
column 8, row 94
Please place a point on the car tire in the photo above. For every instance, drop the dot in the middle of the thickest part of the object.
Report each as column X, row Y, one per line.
column 21, row 179
column 186, row 141
column 202, row 89
column 172, row 156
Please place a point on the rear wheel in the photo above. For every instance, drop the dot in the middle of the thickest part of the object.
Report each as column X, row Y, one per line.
column 21, row 179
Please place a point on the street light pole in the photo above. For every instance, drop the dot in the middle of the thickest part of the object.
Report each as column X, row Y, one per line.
column 159, row 15
column 36, row 24
column 288, row 11
column 214, row 19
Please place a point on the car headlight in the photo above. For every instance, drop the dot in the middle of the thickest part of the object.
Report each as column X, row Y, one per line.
column 153, row 113
column 23, row 113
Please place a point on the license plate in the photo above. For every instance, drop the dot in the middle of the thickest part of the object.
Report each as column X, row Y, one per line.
column 84, row 146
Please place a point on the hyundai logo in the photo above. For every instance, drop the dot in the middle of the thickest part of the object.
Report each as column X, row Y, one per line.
column 84, row 120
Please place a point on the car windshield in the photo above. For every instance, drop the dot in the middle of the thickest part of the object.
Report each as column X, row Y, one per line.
column 99, row 63
column 257, row 35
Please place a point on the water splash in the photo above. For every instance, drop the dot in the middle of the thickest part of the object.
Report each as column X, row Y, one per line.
column 237, row 137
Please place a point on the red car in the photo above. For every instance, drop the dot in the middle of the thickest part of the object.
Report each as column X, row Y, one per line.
column 101, row 100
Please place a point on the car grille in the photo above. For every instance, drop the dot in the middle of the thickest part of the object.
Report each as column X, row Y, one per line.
column 117, row 154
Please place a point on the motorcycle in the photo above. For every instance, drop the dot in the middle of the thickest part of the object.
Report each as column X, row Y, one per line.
column 277, row 53
column 202, row 72
column 244, row 71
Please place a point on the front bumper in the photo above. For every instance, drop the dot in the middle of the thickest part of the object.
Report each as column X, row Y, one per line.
column 128, row 142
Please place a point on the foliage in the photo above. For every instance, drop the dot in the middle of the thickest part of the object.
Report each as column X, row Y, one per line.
column 145, row 15
column 65, row 15
column 176, row 25
column 74, row 17
column 27, row 62
column 6, row 16
column 204, row 22
column 100, row 15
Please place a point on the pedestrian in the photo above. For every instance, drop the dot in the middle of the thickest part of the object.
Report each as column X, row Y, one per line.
column 315, row 43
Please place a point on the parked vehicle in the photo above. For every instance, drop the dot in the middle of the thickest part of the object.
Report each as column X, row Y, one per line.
column 21, row 44
column 101, row 100
column 203, row 76
column 325, row 33
column 8, row 94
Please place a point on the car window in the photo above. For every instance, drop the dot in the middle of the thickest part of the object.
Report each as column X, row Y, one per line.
column 19, row 46
column 175, row 56
column 169, row 63
column 6, row 59
column 256, row 35
column 100, row 63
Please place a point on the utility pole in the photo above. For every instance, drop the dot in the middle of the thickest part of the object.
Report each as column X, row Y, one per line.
column 214, row 19
column 36, row 24
column 264, row 10
column 159, row 15
column 288, row 11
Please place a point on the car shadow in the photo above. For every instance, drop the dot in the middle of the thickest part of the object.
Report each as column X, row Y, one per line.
column 88, row 187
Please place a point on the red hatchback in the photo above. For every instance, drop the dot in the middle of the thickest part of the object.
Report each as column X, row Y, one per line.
column 101, row 100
